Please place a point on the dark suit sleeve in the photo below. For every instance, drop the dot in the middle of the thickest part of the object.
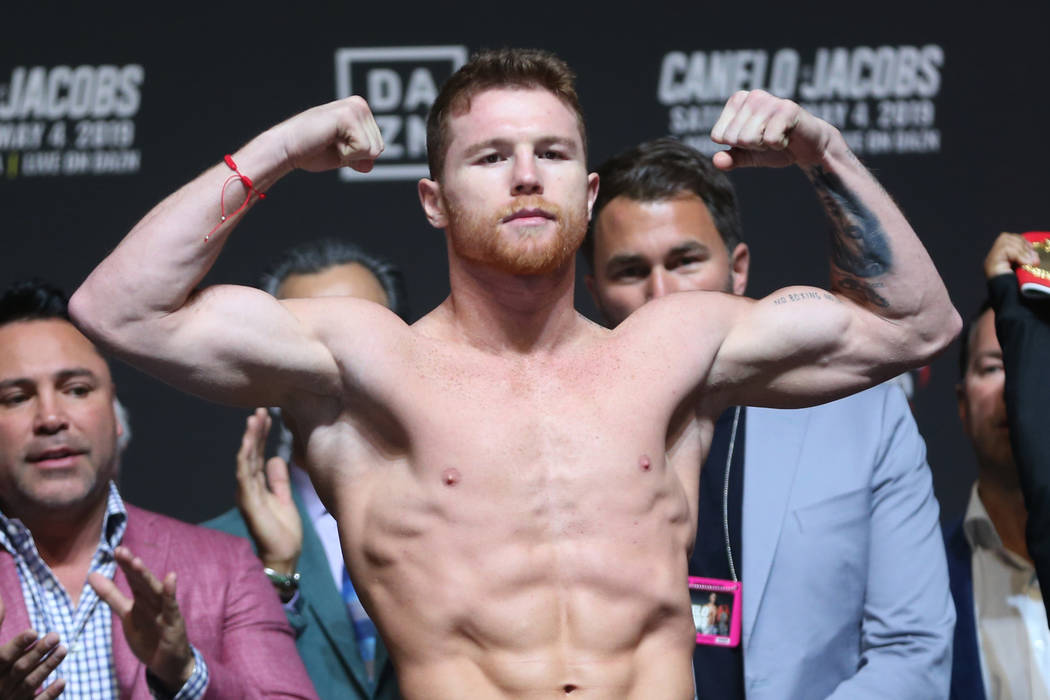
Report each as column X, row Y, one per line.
column 909, row 617
column 257, row 657
column 1023, row 329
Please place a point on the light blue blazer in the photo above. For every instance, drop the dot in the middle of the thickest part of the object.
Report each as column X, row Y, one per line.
column 845, row 585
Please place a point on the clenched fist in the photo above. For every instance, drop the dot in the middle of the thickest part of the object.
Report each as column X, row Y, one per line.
column 333, row 135
column 763, row 130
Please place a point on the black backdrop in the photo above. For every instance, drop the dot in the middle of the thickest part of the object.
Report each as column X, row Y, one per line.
column 106, row 110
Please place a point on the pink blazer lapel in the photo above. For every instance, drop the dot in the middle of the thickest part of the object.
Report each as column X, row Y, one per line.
column 147, row 543
column 16, row 617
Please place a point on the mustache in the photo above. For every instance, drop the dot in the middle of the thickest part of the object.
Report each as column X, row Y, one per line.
column 530, row 202
column 44, row 448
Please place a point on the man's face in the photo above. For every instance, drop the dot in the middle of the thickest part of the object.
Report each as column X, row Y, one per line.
column 349, row 280
column 982, row 407
column 515, row 194
column 644, row 250
column 58, row 432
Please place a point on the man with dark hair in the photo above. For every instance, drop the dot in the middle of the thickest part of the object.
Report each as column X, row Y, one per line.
column 786, row 496
column 663, row 169
column 63, row 526
column 516, row 486
column 1002, row 639
column 293, row 533
column 316, row 257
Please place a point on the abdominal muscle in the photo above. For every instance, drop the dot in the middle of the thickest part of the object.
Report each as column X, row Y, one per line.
column 494, row 582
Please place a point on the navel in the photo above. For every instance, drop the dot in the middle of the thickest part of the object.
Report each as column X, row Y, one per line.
column 451, row 476
column 644, row 463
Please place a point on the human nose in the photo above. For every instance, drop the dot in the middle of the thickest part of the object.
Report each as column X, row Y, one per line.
column 660, row 283
column 50, row 417
column 526, row 175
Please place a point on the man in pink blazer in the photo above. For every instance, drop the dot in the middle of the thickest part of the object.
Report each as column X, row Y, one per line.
column 81, row 610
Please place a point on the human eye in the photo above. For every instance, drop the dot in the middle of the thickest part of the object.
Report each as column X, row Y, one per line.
column 490, row 158
column 687, row 260
column 987, row 368
column 13, row 398
column 79, row 389
column 629, row 273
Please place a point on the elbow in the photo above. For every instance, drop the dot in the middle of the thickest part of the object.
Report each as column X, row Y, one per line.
column 82, row 311
column 935, row 333
column 947, row 331
column 90, row 312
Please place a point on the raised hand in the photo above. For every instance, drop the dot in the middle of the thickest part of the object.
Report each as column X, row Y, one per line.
column 763, row 130
column 152, row 622
column 332, row 135
column 264, row 496
column 1009, row 251
column 26, row 661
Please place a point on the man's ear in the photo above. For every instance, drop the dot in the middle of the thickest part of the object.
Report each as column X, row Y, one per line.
column 592, row 193
column 740, row 265
column 433, row 203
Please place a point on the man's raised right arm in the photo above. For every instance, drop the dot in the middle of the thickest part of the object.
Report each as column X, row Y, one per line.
column 228, row 343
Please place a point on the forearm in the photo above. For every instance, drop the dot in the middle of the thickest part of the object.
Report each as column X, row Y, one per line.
column 153, row 271
column 1025, row 340
column 877, row 261
column 1025, row 337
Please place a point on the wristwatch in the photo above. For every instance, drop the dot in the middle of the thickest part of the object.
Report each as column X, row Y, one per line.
column 286, row 585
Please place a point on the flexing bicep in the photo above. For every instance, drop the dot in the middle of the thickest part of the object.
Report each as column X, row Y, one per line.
column 801, row 346
column 231, row 344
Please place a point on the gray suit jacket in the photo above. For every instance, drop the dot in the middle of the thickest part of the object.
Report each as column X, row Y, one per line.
column 324, row 635
column 845, row 585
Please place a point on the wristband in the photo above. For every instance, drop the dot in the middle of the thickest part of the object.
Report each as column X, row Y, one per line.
column 248, row 185
column 284, row 583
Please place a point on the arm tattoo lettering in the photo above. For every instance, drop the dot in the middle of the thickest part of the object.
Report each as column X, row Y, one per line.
column 859, row 246
column 803, row 296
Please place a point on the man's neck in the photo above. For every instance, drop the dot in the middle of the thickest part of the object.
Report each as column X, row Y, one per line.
column 68, row 536
column 519, row 314
column 1005, row 506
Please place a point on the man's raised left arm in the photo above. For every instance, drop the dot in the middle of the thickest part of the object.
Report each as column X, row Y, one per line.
column 887, row 308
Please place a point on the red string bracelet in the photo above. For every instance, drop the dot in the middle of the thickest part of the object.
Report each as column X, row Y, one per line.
column 248, row 185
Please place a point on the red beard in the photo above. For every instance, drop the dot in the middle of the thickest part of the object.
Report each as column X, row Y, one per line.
column 478, row 238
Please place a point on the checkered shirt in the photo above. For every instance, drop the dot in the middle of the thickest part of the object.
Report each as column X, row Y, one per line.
column 86, row 631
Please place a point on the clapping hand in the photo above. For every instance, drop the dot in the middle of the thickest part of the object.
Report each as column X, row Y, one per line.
column 264, row 496
column 151, row 619
column 25, row 661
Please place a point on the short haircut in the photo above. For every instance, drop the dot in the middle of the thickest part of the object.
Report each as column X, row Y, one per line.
column 662, row 169
column 492, row 69
column 317, row 256
column 965, row 338
column 33, row 300
column 37, row 300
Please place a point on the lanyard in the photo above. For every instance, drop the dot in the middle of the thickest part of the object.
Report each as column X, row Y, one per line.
column 725, row 493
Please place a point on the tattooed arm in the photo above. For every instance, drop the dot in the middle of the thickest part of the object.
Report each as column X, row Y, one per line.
column 887, row 309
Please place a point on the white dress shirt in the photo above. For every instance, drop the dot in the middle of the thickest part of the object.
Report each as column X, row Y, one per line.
column 323, row 522
column 1012, row 633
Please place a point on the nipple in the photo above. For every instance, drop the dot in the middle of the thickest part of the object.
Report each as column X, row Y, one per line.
column 451, row 476
column 645, row 464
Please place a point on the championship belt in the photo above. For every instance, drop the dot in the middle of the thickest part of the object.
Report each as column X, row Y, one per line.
column 1034, row 280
